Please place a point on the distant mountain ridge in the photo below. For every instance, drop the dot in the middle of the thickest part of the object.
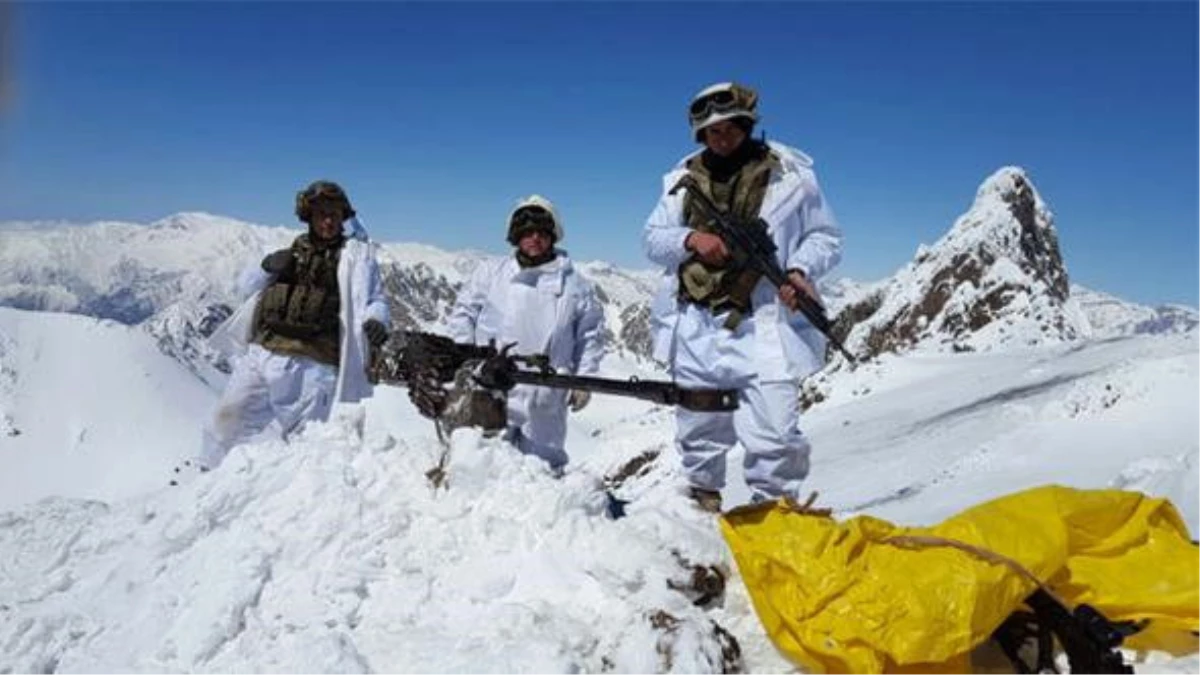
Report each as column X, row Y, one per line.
column 177, row 277
column 1112, row 317
column 996, row 279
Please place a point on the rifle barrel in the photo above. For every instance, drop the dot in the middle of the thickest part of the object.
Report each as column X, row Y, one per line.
column 665, row 393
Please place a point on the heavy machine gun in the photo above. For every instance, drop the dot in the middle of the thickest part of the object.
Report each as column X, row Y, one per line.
column 459, row 384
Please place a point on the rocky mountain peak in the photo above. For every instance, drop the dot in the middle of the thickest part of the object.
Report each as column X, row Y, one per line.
column 996, row 278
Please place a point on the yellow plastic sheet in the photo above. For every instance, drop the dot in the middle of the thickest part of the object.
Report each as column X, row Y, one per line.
column 853, row 597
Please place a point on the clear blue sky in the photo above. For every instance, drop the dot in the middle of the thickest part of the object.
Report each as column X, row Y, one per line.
column 436, row 117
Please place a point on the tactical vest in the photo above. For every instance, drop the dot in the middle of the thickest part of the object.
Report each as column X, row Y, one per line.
column 725, row 287
column 298, row 314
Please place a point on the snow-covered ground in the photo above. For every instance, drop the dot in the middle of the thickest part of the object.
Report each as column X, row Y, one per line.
column 89, row 408
column 334, row 552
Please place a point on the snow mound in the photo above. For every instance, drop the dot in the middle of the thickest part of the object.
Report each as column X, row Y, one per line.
column 335, row 554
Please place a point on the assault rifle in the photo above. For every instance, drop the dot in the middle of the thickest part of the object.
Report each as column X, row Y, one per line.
column 751, row 247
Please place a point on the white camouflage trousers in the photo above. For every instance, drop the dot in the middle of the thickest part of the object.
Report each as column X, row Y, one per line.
column 266, row 387
column 767, row 424
column 553, row 453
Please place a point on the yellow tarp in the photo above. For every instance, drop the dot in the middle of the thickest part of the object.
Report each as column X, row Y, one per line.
column 836, row 597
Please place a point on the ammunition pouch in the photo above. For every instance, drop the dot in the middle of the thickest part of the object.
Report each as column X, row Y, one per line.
column 725, row 288
column 720, row 289
column 302, row 304
column 296, row 311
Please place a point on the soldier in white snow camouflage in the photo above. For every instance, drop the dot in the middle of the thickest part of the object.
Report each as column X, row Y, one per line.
column 538, row 300
column 302, row 338
column 720, row 326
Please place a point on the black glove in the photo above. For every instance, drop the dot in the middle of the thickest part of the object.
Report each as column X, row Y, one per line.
column 278, row 262
column 376, row 332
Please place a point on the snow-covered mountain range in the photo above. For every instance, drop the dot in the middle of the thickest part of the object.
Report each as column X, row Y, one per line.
column 176, row 278
column 1111, row 317
column 996, row 279
column 990, row 372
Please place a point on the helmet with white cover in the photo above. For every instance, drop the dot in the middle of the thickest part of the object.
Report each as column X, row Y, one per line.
column 534, row 213
column 722, row 101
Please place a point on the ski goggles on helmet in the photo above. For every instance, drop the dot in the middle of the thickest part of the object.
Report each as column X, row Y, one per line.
column 734, row 98
column 531, row 217
column 322, row 194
